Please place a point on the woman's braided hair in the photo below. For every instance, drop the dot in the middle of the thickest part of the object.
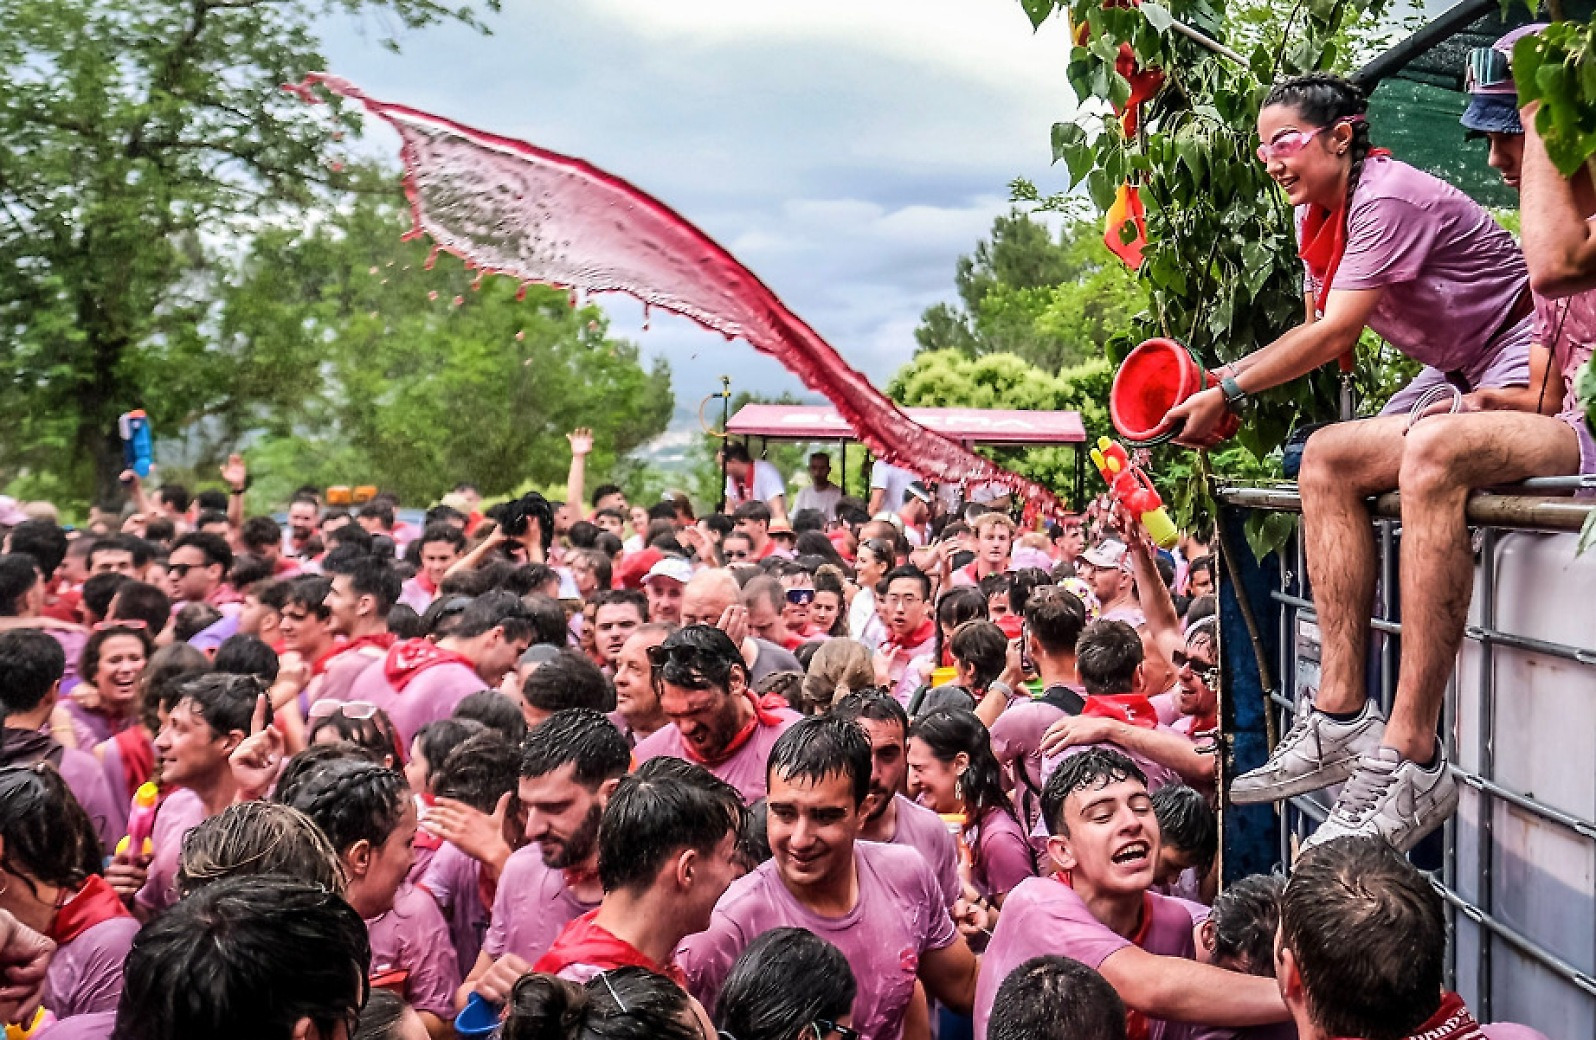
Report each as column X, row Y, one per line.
column 1323, row 100
column 351, row 800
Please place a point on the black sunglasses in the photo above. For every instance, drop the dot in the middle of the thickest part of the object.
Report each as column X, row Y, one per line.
column 800, row 597
column 824, row 1028
column 1207, row 671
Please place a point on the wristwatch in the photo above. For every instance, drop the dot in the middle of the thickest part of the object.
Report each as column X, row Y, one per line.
column 1235, row 396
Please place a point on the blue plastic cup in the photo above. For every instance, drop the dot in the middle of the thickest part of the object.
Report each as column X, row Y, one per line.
column 479, row 1018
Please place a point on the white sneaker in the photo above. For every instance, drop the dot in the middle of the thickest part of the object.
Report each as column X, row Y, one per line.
column 1316, row 751
column 1393, row 797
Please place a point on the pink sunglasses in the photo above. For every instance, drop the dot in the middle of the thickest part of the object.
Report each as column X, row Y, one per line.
column 1287, row 145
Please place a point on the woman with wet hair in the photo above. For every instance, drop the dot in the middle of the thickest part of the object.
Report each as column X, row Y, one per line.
column 356, row 722
column 50, row 880
column 621, row 1004
column 258, row 838
column 789, row 984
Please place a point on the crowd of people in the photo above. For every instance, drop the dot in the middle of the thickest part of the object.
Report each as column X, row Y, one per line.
column 858, row 768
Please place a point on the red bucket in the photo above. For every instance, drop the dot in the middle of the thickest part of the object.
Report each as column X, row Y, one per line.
column 1152, row 379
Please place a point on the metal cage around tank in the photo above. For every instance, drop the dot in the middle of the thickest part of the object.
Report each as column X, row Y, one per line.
column 1516, row 865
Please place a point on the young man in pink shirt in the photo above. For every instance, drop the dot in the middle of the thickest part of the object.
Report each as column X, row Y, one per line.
column 906, row 607
column 667, row 851
column 879, row 904
column 442, row 545
column 1099, row 910
column 357, row 612
column 994, row 539
column 570, row 767
column 717, row 721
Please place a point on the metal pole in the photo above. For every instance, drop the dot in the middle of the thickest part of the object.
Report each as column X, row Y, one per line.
column 725, row 419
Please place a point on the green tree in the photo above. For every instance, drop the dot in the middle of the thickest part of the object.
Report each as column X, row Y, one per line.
column 1049, row 299
column 415, row 378
column 139, row 141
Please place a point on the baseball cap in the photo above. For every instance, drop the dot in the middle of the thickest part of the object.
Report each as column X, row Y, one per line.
column 918, row 490
column 1109, row 554
column 673, row 567
column 1488, row 80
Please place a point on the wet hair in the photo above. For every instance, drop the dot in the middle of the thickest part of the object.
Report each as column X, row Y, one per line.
column 214, row 548
column 405, row 623
column 375, row 577
column 579, row 737
column 1244, row 919
column 310, row 592
column 380, row 1018
column 1368, row 932
column 820, row 746
column 568, row 680
column 494, row 609
column 753, row 845
column 193, row 618
column 698, row 657
column 1187, row 822
column 89, row 659
column 547, row 619
column 1091, row 769
column 783, row 981
column 786, row 685
column 438, row 738
column 1323, row 100
column 480, row 771
column 874, row 703
column 351, row 802
column 31, row 663
column 947, row 733
column 582, row 533
column 620, row 1004
column 142, row 601
column 837, row 662
column 982, row 645
column 911, row 572
column 375, row 733
column 276, row 950
column 226, row 702
column 1107, row 656
column 246, row 655
column 1022, row 583
column 249, row 568
column 1056, row 998
column 1056, row 618
column 495, row 711
column 308, row 762
column 18, row 574
column 47, row 836
column 41, row 540
column 258, row 838
column 959, row 604
column 667, row 806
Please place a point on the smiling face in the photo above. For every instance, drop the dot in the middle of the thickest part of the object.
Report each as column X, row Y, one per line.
column 303, row 629
column 812, row 827
column 1110, row 842
column 1318, row 173
column 122, row 661
column 932, row 782
column 1193, row 694
column 796, row 613
column 188, row 748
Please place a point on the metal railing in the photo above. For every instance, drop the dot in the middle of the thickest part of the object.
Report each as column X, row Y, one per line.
column 1489, row 514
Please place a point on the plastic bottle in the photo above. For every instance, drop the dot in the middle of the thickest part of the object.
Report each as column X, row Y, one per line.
column 42, row 1019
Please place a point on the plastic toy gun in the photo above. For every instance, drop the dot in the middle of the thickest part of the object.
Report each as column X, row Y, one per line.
column 42, row 1020
column 1131, row 487
column 140, row 823
column 137, row 452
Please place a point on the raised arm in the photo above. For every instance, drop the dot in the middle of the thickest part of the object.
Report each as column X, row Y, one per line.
column 581, row 440
column 237, row 478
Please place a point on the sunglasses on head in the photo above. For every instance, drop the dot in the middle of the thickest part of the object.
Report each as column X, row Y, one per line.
column 800, row 597
column 133, row 623
column 1486, row 67
column 1289, row 144
column 1207, row 671
column 358, row 711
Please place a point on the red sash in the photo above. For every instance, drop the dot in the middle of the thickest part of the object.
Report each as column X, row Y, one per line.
column 138, row 756
column 95, row 903
column 1131, row 708
column 584, row 942
column 410, row 658
column 764, row 715
column 914, row 639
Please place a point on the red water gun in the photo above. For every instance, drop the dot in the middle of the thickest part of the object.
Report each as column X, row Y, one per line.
column 1132, row 488
column 140, row 823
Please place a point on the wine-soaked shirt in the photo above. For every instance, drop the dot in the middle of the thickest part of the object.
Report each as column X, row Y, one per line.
column 85, row 974
column 1567, row 328
column 923, row 831
column 899, row 916
column 1000, row 854
column 414, row 938
column 1453, row 277
column 530, row 908
column 454, row 879
column 745, row 770
column 180, row 812
column 1045, row 916
column 430, row 696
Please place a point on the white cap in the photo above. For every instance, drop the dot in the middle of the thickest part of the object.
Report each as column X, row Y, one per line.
column 673, row 567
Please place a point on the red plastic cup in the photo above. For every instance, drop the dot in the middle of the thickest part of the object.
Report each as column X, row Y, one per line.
column 1152, row 379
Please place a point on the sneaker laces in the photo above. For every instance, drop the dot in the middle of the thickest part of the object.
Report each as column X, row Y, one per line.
column 1294, row 735
column 1363, row 792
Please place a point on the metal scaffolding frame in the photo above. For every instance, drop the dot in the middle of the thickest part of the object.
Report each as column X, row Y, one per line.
column 1299, row 815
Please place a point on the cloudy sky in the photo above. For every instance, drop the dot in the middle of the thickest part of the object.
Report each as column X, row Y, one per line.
column 847, row 152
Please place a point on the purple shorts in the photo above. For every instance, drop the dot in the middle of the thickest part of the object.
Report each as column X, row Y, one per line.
column 1587, row 441
column 1505, row 366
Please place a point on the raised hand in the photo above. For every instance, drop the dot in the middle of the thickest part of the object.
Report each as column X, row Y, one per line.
column 581, row 440
column 258, row 758
column 234, row 472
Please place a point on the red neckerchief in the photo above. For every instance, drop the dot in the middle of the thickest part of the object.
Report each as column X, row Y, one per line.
column 793, row 641
column 95, row 903
column 381, row 640
column 323, row 659
column 1132, row 708
column 138, row 755
column 585, row 942
column 425, row 584
column 1136, row 1025
column 916, row 638
column 1452, row 1021
column 410, row 658
column 1324, row 241
column 424, row 838
column 764, row 715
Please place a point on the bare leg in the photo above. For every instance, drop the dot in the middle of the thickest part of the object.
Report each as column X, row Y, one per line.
column 1446, row 457
column 1342, row 466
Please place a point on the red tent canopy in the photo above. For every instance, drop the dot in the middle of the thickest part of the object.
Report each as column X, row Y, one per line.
column 799, row 422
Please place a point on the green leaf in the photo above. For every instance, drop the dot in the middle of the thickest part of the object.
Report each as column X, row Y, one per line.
column 1038, row 11
column 1157, row 16
column 1268, row 533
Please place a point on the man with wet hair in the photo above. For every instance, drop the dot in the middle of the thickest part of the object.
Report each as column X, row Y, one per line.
column 716, row 719
column 1104, row 841
column 1055, row 998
